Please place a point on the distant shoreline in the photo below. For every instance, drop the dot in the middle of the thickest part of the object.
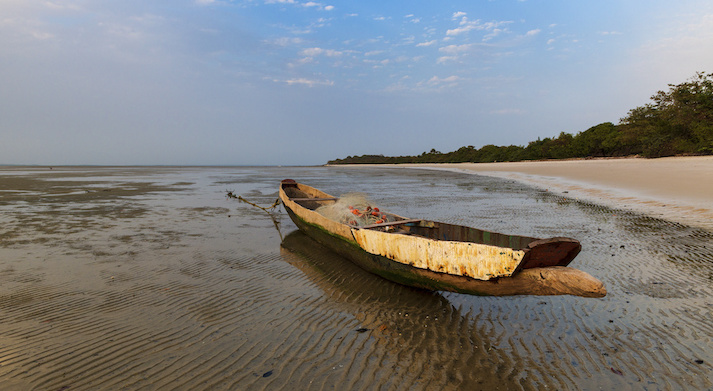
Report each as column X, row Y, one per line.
column 678, row 189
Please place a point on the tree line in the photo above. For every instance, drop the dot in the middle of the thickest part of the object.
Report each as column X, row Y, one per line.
column 676, row 122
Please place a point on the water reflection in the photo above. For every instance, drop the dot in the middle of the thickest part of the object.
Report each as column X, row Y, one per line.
column 419, row 334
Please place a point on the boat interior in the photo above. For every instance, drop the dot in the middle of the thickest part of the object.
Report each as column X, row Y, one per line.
column 312, row 199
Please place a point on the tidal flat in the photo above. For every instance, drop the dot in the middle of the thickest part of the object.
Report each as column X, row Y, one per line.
column 143, row 278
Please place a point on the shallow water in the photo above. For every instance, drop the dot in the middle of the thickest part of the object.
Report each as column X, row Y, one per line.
column 150, row 278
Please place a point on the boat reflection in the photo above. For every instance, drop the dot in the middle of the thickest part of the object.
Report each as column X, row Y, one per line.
column 418, row 333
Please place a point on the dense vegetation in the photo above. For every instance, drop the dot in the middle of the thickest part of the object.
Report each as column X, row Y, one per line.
column 677, row 122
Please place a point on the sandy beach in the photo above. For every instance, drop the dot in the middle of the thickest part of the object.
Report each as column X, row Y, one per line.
column 678, row 189
column 150, row 278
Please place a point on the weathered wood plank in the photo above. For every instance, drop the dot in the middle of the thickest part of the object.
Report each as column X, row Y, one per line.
column 315, row 199
column 474, row 260
column 391, row 223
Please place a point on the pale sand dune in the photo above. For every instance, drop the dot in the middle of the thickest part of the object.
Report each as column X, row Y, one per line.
column 678, row 189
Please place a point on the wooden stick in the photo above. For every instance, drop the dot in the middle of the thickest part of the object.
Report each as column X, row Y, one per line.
column 390, row 223
column 266, row 209
column 314, row 199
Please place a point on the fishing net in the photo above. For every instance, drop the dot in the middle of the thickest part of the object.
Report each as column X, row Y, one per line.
column 354, row 209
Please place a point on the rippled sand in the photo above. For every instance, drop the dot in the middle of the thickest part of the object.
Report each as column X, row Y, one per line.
column 149, row 278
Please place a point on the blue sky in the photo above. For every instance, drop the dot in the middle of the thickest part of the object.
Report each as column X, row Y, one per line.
column 292, row 82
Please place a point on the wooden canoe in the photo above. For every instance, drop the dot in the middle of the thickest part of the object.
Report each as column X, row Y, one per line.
column 438, row 256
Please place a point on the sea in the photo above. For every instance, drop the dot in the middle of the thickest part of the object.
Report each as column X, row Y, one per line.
column 152, row 278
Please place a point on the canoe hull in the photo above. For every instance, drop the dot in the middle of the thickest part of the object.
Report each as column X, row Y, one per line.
column 475, row 260
column 558, row 280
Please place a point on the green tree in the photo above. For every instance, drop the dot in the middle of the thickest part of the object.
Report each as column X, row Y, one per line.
column 679, row 120
column 598, row 141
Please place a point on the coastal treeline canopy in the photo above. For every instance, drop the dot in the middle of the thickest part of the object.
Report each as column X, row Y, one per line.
column 675, row 122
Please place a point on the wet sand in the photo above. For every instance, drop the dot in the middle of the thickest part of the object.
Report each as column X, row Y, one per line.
column 678, row 188
column 142, row 278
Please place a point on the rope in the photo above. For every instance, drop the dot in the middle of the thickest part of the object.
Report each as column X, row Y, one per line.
column 266, row 209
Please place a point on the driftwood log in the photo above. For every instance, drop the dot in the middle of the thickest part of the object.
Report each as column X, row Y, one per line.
column 546, row 281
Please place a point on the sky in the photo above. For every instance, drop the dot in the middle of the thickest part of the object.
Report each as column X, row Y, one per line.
column 295, row 82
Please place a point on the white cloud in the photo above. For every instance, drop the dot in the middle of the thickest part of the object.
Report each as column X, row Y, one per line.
column 429, row 43
column 286, row 41
column 461, row 30
column 467, row 25
column 308, row 4
column 409, row 40
column 301, row 61
column 435, row 80
column 458, row 14
column 445, row 59
column 41, row 35
column 378, row 63
column 456, row 49
column 533, row 32
column 312, row 52
column 56, row 6
column 493, row 34
column 453, row 52
column 373, row 53
column 307, row 82
column 318, row 5
column 495, row 24
column 397, row 87
column 439, row 83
